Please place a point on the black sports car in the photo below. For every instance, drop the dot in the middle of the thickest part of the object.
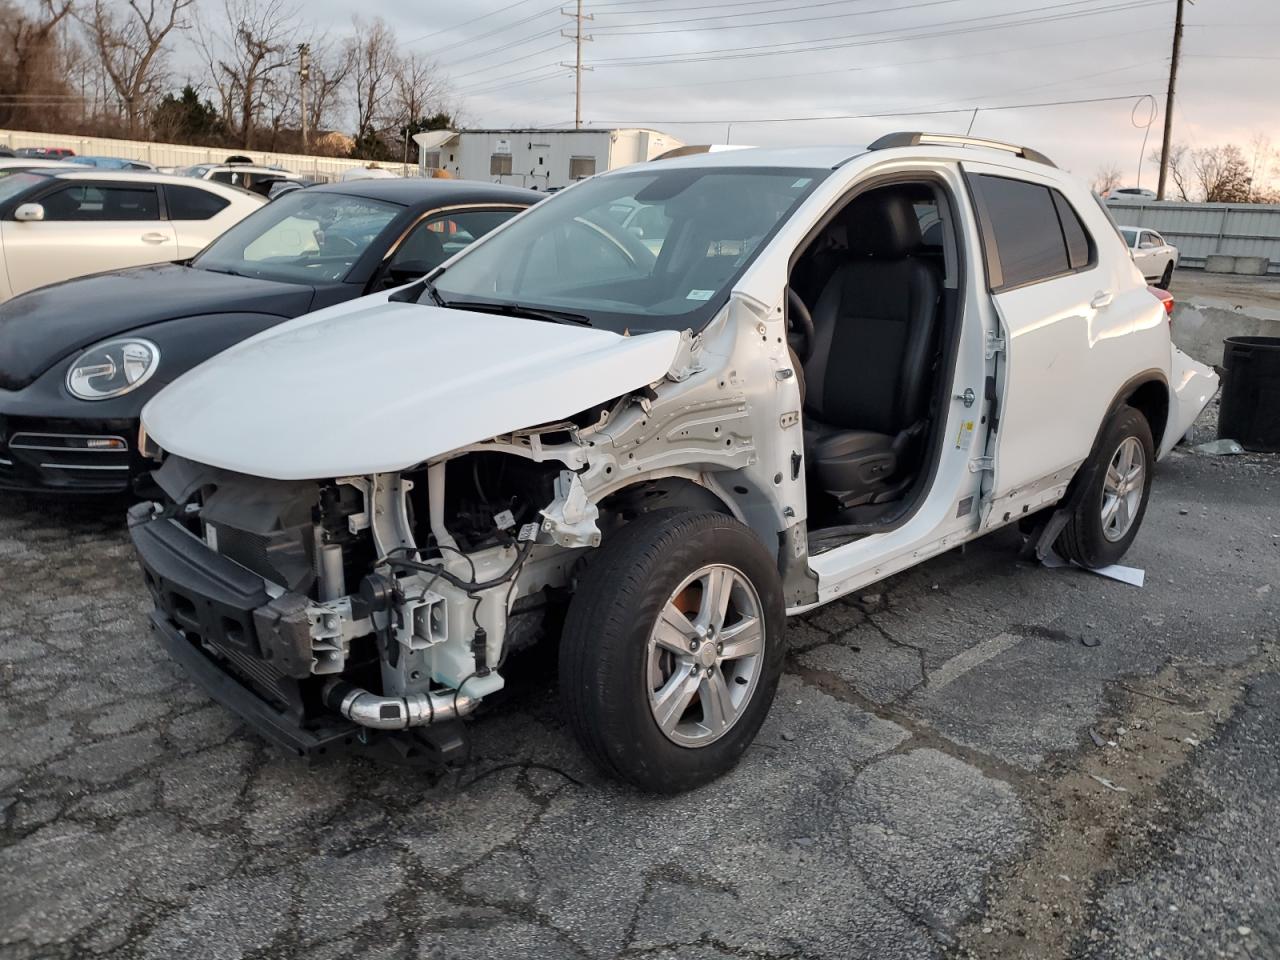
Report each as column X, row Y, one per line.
column 78, row 360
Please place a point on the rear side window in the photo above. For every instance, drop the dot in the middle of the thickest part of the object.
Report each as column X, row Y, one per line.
column 192, row 203
column 1035, row 232
column 1079, row 253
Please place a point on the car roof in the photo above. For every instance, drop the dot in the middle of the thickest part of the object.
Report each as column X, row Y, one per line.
column 97, row 174
column 412, row 191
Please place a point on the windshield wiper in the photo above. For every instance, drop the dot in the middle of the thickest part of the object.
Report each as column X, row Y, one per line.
column 413, row 293
column 517, row 310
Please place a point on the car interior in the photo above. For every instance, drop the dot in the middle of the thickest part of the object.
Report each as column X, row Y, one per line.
column 872, row 309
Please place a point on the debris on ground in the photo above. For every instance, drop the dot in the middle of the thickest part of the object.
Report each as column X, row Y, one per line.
column 1219, row 448
column 1108, row 784
column 1130, row 575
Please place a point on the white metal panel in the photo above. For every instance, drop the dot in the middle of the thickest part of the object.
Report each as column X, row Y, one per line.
column 1200, row 230
column 373, row 386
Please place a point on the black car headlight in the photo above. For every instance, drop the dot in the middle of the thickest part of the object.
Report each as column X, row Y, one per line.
column 112, row 368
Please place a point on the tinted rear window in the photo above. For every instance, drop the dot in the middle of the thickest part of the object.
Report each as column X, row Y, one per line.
column 1037, row 233
column 192, row 203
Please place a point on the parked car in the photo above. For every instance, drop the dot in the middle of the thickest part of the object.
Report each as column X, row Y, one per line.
column 1155, row 256
column 367, row 509
column 111, row 163
column 5, row 151
column 45, row 153
column 10, row 165
column 56, row 224
column 1132, row 194
column 79, row 360
column 247, row 176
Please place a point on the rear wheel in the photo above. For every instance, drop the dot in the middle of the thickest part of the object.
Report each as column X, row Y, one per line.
column 672, row 649
column 1166, row 278
column 1110, row 509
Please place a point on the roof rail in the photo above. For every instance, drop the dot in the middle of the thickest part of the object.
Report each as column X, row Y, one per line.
column 891, row 140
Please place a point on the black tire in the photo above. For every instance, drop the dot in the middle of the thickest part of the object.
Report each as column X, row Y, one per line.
column 1084, row 540
column 604, row 646
column 1166, row 278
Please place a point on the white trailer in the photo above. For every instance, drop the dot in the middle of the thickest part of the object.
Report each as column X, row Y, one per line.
column 539, row 159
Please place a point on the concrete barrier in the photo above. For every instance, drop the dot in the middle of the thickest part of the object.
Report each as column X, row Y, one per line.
column 1219, row 263
column 1252, row 266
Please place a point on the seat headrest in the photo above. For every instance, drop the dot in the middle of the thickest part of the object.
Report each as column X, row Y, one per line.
column 882, row 223
column 424, row 246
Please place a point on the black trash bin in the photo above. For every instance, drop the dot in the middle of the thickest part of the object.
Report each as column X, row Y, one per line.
column 1250, row 410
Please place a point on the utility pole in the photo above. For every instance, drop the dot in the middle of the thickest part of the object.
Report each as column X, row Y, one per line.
column 304, row 74
column 577, row 66
column 1167, row 143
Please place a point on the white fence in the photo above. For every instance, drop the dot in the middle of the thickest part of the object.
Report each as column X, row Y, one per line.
column 178, row 155
column 1199, row 230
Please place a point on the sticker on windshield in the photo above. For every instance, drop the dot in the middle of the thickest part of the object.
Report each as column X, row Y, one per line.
column 802, row 182
column 700, row 294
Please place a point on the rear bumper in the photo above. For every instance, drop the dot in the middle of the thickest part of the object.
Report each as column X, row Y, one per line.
column 203, row 616
column 1193, row 385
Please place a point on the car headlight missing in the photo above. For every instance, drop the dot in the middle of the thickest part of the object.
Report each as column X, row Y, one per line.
column 112, row 368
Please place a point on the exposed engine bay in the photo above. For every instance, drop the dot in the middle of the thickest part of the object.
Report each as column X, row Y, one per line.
column 394, row 600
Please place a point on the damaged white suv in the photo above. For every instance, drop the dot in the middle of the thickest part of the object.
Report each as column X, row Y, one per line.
column 811, row 369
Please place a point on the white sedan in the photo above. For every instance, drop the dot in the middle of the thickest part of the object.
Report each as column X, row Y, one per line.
column 1155, row 256
column 61, row 222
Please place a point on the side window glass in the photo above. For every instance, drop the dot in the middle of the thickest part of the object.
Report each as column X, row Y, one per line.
column 89, row 202
column 1079, row 244
column 439, row 237
column 1025, row 226
column 192, row 203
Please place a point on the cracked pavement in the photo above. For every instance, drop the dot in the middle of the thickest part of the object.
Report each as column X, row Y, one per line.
column 929, row 783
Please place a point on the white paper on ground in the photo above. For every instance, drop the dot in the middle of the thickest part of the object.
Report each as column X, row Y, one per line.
column 1130, row 575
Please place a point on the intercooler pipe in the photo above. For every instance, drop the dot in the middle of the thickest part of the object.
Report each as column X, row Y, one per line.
column 395, row 713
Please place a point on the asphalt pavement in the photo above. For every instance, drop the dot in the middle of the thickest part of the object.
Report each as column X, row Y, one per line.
column 980, row 757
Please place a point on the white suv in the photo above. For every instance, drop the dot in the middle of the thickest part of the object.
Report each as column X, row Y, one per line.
column 836, row 364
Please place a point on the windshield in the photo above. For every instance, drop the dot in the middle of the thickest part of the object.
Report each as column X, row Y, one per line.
column 17, row 182
column 302, row 237
column 651, row 250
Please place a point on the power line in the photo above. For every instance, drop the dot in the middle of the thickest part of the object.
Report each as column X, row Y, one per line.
column 860, row 39
column 493, row 51
column 875, row 116
column 467, row 23
column 504, row 28
column 626, row 29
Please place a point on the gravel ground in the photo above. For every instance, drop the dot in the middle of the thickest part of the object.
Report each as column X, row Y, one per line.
column 980, row 757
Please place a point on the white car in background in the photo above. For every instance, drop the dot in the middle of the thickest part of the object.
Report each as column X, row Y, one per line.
column 246, row 176
column 64, row 222
column 1132, row 194
column 1155, row 256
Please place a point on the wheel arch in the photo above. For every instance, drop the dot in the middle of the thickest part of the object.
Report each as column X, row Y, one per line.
column 1148, row 393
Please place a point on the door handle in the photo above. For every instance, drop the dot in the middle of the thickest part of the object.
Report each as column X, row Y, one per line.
column 1102, row 299
column 154, row 237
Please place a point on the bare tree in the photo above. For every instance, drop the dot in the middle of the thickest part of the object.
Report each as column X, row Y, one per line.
column 33, row 85
column 1179, row 169
column 257, row 43
column 1223, row 174
column 1263, row 168
column 419, row 92
column 374, row 62
column 1107, row 179
column 330, row 68
column 130, row 43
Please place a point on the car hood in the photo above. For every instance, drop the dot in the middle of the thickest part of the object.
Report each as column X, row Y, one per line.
column 375, row 385
column 39, row 328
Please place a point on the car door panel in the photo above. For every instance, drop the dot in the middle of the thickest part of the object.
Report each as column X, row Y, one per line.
column 1055, row 329
column 75, row 239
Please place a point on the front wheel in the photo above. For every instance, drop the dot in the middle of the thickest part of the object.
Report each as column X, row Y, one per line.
column 672, row 649
column 1110, row 509
column 1166, row 278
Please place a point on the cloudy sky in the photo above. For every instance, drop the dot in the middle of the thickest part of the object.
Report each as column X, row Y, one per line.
column 704, row 70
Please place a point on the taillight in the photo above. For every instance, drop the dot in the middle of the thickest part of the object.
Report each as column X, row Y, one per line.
column 1166, row 298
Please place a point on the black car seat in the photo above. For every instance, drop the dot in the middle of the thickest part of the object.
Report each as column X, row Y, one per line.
column 422, row 246
column 868, row 374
